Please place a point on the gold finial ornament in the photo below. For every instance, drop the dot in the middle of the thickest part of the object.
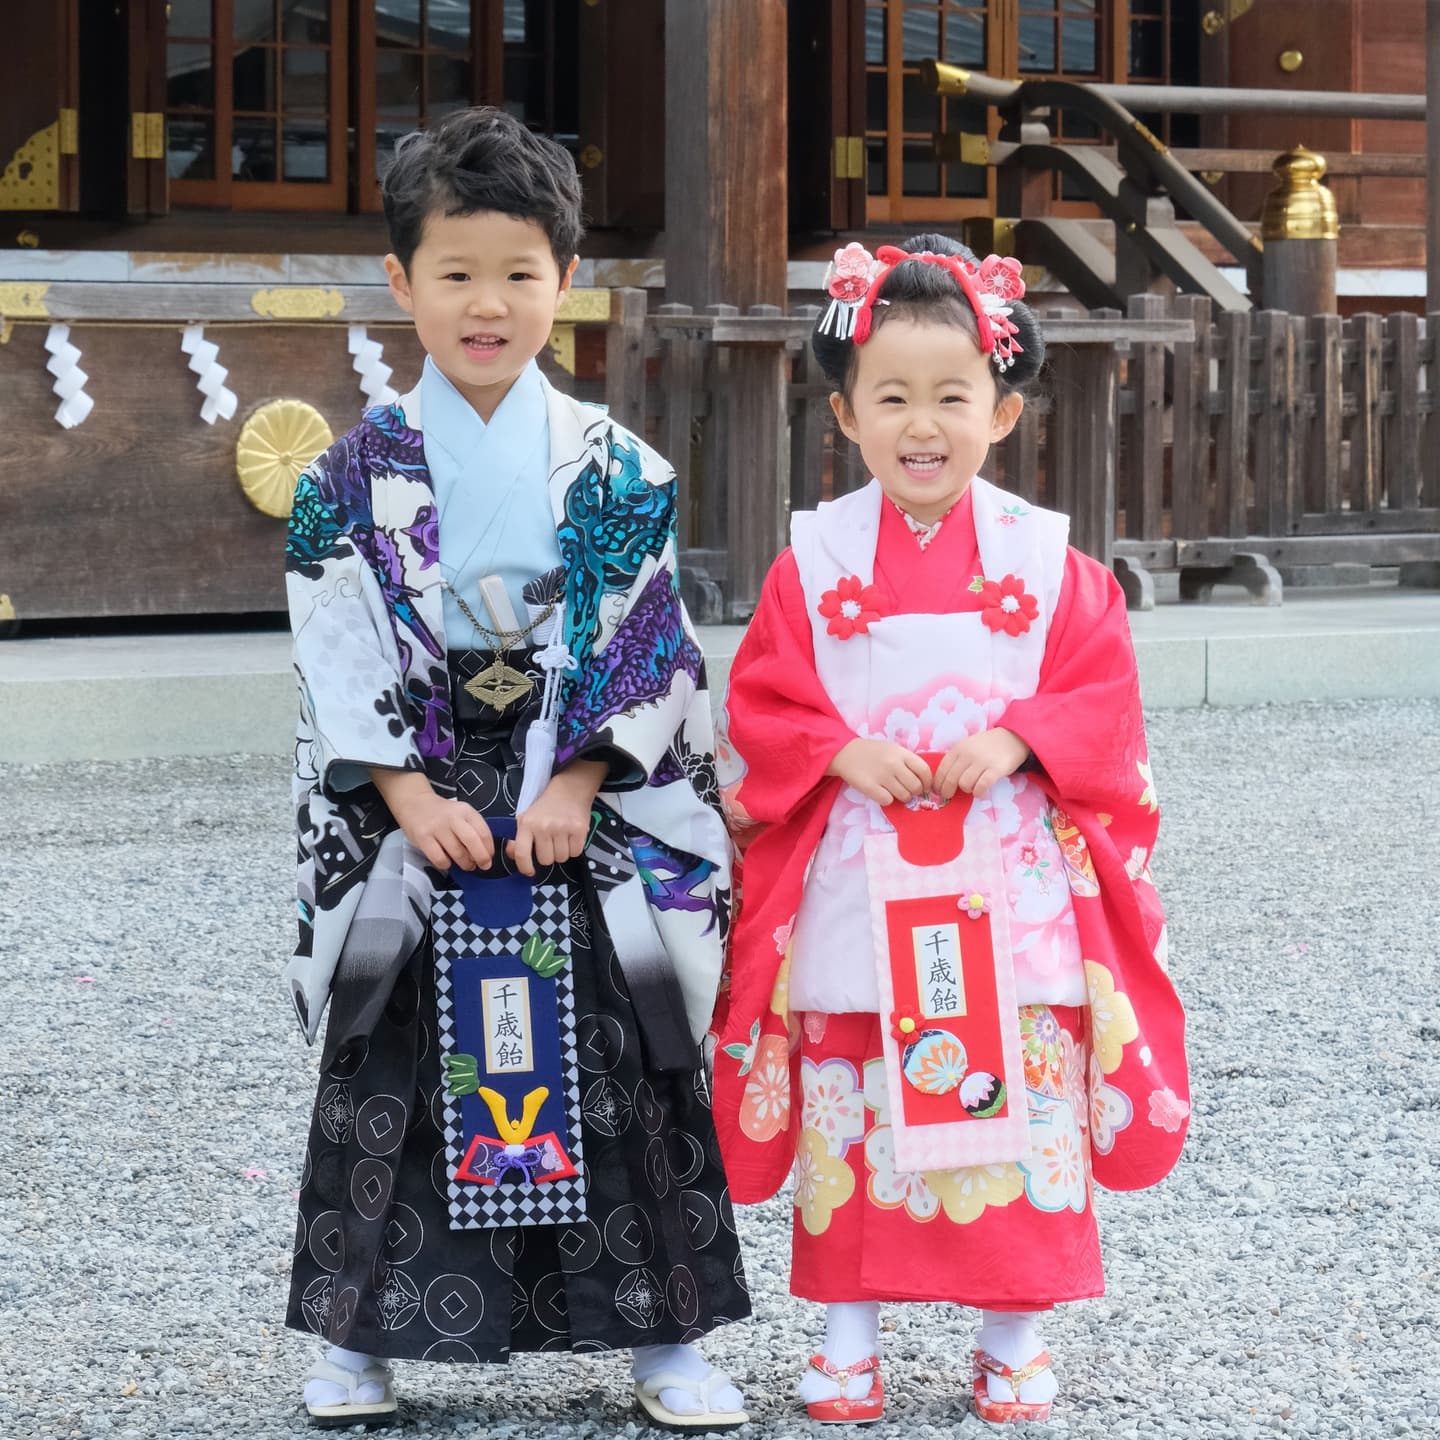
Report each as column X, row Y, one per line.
column 1290, row 61
column 1300, row 207
column 276, row 443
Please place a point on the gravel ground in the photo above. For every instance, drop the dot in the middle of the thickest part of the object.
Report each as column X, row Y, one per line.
column 1281, row 1281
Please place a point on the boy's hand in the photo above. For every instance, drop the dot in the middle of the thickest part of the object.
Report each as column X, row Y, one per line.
column 448, row 832
column 554, row 829
column 977, row 762
column 881, row 770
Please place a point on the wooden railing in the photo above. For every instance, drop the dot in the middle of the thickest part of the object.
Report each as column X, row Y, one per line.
column 1300, row 440
column 1178, row 437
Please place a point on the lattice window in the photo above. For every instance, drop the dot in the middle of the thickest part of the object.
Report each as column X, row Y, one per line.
column 256, row 102
column 1085, row 40
column 905, row 181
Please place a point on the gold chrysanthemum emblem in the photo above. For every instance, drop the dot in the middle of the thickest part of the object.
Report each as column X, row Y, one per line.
column 276, row 443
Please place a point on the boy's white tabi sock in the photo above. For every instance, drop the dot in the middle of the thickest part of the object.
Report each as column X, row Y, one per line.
column 648, row 1360
column 852, row 1333
column 1013, row 1338
column 328, row 1392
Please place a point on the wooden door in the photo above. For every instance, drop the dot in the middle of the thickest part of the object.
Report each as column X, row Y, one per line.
column 39, row 119
column 142, row 127
column 619, row 69
column 415, row 62
column 826, row 100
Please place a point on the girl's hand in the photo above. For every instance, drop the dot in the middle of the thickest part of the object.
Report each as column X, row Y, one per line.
column 554, row 829
column 881, row 770
column 976, row 763
column 447, row 832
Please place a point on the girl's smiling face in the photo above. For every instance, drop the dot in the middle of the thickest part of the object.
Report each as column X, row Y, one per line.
column 923, row 409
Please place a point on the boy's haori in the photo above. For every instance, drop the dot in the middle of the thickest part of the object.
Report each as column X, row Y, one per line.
column 364, row 578
column 385, row 1222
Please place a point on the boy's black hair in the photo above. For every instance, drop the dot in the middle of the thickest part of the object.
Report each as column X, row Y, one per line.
column 482, row 159
column 916, row 290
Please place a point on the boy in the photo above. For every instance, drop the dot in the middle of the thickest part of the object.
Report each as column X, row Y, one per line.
column 514, row 880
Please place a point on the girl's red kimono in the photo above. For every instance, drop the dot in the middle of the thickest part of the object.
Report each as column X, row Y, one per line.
column 874, row 626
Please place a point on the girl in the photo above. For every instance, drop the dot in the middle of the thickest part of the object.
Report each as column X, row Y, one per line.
column 929, row 646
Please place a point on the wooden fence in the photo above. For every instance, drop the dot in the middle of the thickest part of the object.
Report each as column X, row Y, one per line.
column 1177, row 438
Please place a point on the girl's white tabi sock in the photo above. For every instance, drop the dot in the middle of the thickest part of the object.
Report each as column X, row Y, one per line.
column 1013, row 1338
column 648, row 1360
column 328, row 1392
column 852, row 1333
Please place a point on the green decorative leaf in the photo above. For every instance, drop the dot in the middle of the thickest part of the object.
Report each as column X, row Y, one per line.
column 462, row 1074
column 542, row 957
column 976, row 585
column 737, row 1050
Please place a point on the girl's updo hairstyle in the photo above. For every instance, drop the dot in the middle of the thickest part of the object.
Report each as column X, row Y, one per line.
column 917, row 290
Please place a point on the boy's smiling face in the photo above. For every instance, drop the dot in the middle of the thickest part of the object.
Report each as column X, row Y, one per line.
column 483, row 290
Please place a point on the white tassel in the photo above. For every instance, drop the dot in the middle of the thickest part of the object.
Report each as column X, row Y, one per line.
column 540, row 738
column 370, row 367
column 839, row 319
column 70, row 379
column 220, row 401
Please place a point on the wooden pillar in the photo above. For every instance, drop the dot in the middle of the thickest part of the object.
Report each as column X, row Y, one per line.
column 1432, row 156
column 726, row 243
column 725, row 139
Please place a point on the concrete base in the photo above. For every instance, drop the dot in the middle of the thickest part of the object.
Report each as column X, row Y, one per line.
column 1340, row 576
column 129, row 697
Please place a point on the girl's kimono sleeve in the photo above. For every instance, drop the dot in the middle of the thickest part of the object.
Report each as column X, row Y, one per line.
column 1084, row 723
column 1086, row 731
column 783, row 732
column 781, row 719
column 346, row 660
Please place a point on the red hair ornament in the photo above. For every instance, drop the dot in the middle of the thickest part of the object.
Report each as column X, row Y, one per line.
column 855, row 278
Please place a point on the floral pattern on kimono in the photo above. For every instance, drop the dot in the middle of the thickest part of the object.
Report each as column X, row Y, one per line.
column 1091, row 832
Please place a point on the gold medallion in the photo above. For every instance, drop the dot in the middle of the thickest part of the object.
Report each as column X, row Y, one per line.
column 499, row 685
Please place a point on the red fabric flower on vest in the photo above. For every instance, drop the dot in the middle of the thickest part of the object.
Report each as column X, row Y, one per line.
column 850, row 607
column 1006, row 605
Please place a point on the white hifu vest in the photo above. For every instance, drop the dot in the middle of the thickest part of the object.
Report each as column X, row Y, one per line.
column 927, row 681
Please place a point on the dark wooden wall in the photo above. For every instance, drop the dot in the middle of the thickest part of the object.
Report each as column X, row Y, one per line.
column 138, row 511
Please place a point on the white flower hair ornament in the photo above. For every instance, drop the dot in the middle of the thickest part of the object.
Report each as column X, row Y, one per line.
column 855, row 277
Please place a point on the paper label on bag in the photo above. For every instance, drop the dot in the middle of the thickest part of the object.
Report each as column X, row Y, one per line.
column 949, row 1019
column 939, row 980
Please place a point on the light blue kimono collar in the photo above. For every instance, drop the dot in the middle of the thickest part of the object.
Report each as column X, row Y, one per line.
column 449, row 420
